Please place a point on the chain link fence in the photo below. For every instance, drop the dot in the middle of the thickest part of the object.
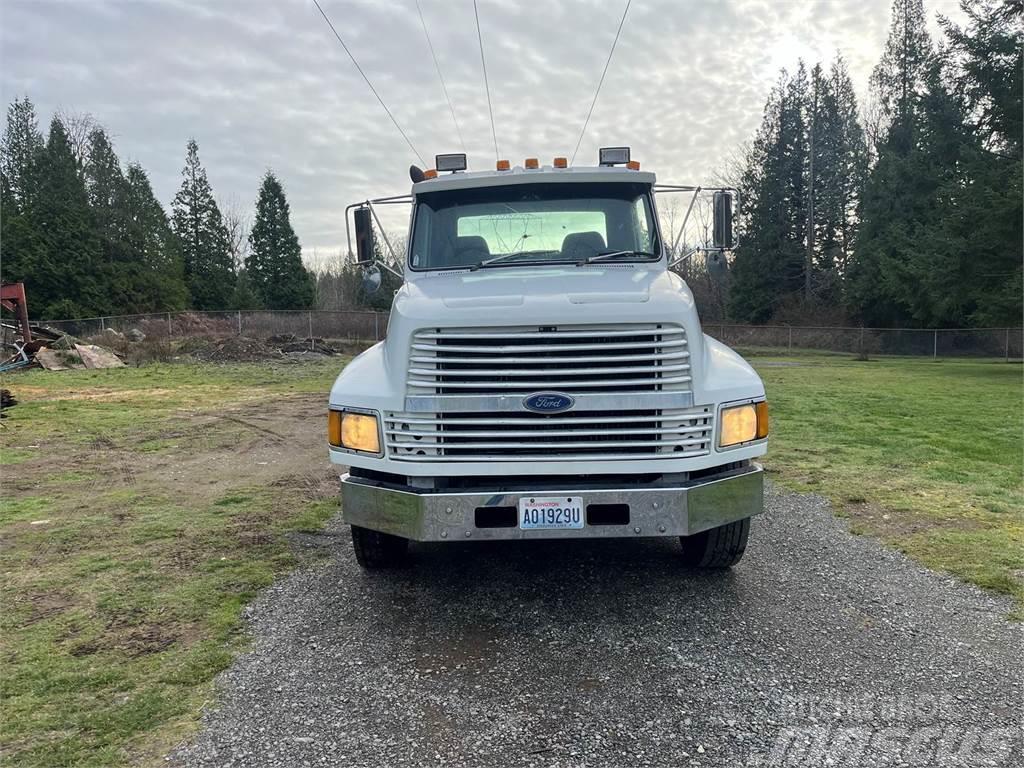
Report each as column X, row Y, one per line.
column 368, row 327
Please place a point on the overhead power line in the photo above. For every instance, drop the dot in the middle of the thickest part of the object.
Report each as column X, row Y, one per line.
column 601, row 81
column 360, row 69
column 487, row 85
column 440, row 76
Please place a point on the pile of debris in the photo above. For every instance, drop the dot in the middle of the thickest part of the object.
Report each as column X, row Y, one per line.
column 37, row 345
column 50, row 349
column 247, row 349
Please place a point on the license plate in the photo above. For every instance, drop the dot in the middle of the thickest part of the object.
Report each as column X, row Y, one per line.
column 547, row 512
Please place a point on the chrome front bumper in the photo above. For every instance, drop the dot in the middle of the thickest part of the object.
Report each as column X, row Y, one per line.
column 680, row 509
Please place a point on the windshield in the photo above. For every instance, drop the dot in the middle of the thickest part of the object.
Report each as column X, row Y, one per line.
column 533, row 223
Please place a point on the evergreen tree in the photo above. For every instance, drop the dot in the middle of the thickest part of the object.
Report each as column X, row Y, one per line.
column 897, row 208
column 63, row 279
column 274, row 264
column 156, row 274
column 20, row 152
column 900, row 76
column 206, row 251
column 987, row 62
column 769, row 263
column 840, row 168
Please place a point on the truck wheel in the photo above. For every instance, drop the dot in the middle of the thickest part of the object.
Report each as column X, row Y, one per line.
column 375, row 550
column 719, row 547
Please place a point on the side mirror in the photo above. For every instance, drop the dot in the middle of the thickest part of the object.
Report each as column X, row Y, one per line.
column 717, row 266
column 723, row 234
column 364, row 235
column 371, row 281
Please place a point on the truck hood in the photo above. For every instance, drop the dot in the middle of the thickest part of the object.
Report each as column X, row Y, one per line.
column 555, row 294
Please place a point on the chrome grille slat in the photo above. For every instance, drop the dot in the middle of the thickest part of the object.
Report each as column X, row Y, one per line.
column 559, row 384
column 597, row 347
column 531, row 334
column 536, row 361
column 478, row 372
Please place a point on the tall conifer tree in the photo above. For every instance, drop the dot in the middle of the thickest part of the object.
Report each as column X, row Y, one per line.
column 274, row 264
column 206, row 252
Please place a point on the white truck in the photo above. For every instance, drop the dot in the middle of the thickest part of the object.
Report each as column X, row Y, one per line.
column 544, row 373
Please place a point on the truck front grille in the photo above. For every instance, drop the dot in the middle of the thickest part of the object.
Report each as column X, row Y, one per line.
column 577, row 435
column 613, row 358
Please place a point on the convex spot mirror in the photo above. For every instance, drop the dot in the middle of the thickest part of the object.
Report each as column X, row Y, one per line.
column 371, row 280
column 723, row 232
column 364, row 235
column 717, row 266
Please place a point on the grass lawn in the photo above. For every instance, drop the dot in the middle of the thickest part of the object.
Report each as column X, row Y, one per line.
column 142, row 508
column 926, row 455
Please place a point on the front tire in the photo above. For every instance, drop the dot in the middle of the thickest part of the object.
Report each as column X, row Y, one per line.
column 376, row 551
column 720, row 547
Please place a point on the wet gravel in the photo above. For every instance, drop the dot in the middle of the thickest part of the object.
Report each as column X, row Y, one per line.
column 819, row 648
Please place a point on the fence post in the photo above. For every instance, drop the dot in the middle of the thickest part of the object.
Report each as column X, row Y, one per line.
column 860, row 346
column 376, row 330
column 310, row 317
column 239, row 322
column 935, row 344
column 103, row 323
column 791, row 338
column 1007, row 349
column 170, row 330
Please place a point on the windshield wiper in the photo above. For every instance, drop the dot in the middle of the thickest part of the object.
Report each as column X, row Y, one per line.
column 506, row 257
column 612, row 255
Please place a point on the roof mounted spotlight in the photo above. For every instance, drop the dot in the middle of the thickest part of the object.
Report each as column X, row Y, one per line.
column 614, row 155
column 451, row 163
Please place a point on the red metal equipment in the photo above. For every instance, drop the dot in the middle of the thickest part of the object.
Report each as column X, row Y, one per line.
column 12, row 297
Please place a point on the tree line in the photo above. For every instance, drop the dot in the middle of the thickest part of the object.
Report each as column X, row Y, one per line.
column 88, row 237
column 908, row 212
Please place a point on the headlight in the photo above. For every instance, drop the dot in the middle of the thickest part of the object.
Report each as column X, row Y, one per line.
column 354, row 431
column 743, row 423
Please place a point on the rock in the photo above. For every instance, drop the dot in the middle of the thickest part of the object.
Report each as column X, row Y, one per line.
column 135, row 335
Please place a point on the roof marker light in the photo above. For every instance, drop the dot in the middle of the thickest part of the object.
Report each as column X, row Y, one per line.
column 503, row 165
column 531, row 163
column 561, row 162
column 453, row 163
column 431, row 174
column 613, row 155
column 633, row 165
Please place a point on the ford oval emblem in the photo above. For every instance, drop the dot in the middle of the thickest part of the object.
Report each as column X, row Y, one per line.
column 548, row 402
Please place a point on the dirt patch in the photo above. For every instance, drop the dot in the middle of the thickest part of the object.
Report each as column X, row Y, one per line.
column 41, row 605
column 892, row 525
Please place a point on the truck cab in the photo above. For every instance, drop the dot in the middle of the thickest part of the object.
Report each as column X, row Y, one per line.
column 544, row 375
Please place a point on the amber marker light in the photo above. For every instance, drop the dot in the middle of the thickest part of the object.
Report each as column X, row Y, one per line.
column 561, row 162
column 762, row 419
column 633, row 165
column 503, row 165
column 532, row 163
column 431, row 174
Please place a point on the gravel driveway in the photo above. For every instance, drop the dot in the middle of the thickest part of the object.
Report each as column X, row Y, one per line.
column 819, row 648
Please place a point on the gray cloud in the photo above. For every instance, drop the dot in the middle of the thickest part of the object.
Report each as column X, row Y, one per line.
column 265, row 85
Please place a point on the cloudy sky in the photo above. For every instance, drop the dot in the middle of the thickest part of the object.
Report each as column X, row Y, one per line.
column 264, row 84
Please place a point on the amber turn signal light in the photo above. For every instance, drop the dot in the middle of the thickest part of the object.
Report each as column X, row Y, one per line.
column 762, row 419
